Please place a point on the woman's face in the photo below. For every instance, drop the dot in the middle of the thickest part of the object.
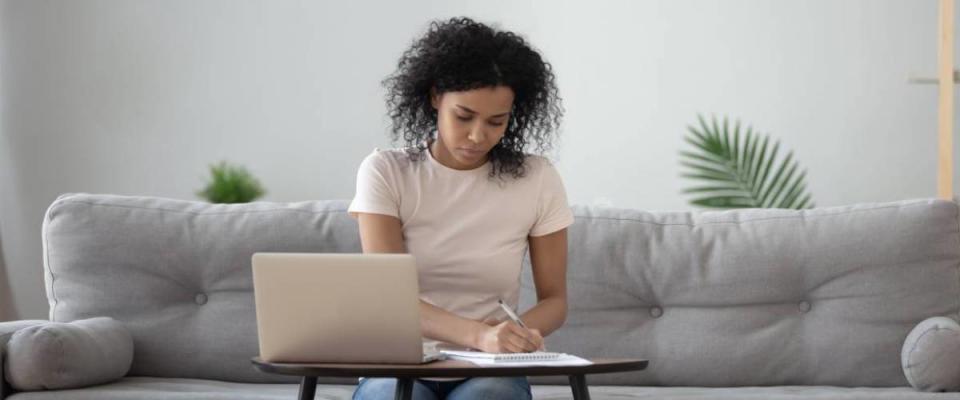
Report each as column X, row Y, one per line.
column 469, row 124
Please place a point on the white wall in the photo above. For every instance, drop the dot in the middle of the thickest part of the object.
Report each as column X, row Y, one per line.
column 7, row 308
column 138, row 97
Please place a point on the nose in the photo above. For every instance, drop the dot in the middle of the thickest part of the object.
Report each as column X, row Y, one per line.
column 477, row 134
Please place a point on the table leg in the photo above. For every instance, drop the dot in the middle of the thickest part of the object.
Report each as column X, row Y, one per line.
column 404, row 389
column 578, row 383
column 308, row 387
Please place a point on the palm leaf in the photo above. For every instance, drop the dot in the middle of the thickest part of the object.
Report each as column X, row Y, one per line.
column 740, row 172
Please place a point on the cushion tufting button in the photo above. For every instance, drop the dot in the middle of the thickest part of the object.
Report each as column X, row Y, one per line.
column 201, row 299
column 656, row 312
column 804, row 306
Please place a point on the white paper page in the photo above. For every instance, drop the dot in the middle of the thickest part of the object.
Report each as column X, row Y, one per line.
column 486, row 359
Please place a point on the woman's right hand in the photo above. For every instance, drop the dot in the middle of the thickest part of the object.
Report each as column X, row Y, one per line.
column 508, row 337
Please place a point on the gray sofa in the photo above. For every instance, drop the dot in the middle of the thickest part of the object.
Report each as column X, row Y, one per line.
column 740, row 304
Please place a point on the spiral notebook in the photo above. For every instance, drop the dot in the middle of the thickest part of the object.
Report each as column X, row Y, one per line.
column 516, row 359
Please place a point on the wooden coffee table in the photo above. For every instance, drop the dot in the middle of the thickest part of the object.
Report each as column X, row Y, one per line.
column 406, row 373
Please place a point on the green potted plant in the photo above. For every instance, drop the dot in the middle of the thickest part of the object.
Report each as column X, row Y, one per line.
column 741, row 174
column 231, row 184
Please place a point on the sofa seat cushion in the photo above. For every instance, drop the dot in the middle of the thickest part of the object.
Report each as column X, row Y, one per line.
column 557, row 392
column 147, row 388
column 144, row 388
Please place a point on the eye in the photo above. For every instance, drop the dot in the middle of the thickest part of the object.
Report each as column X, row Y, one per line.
column 462, row 118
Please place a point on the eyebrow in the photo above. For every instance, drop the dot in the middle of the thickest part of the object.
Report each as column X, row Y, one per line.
column 471, row 111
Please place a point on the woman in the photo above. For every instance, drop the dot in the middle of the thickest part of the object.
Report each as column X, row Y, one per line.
column 465, row 199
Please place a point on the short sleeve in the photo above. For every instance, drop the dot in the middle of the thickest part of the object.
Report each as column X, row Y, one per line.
column 375, row 194
column 553, row 212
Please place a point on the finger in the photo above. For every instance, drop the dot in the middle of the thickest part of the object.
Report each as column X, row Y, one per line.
column 521, row 344
column 526, row 347
column 511, row 347
column 527, row 344
column 527, row 335
column 507, row 338
column 538, row 345
column 504, row 345
column 537, row 341
column 519, row 331
column 516, row 336
column 535, row 333
column 514, row 343
column 538, row 337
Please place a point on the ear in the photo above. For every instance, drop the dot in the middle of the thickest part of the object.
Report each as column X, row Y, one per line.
column 434, row 98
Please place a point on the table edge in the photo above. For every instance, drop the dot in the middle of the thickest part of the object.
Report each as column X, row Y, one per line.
column 393, row 370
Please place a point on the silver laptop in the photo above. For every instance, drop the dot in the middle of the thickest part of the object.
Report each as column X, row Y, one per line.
column 338, row 308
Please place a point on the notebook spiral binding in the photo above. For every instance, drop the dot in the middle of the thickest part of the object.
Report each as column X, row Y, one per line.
column 540, row 356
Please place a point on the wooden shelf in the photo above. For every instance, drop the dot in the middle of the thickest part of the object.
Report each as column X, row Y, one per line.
column 931, row 80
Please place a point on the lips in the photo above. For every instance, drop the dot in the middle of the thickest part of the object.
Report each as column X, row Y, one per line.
column 472, row 152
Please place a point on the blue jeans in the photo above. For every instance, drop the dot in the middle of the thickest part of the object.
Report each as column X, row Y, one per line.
column 480, row 388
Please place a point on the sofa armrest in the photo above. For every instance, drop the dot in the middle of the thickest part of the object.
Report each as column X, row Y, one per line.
column 6, row 331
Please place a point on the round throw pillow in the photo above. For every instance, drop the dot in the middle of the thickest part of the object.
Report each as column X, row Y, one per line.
column 930, row 353
column 65, row 355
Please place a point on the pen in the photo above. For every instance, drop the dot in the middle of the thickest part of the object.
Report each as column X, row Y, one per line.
column 513, row 316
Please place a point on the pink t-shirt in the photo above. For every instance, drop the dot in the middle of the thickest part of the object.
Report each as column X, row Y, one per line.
column 467, row 232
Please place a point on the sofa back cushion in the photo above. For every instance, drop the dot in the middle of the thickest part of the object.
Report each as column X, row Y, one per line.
column 757, row 296
column 712, row 298
column 178, row 274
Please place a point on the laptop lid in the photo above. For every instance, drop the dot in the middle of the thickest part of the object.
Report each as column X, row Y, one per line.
column 314, row 307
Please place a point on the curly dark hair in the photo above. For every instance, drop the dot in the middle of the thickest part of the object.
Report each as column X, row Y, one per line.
column 462, row 54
